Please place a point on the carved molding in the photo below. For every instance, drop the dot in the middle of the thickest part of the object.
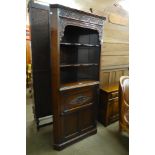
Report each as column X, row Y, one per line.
column 65, row 22
column 77, row 18
column 73, row 14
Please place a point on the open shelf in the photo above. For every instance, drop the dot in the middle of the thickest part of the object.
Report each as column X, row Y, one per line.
column 78, row 84
column 79, row 55
column 78, row 65
column 74, row 74
column 80, row 36
column 79, row 58
column 78, row 44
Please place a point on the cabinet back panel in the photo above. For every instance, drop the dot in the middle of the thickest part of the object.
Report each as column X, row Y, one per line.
column 74, row 54
column 76, row 34
column 68, row 75
column 90, row 73
column 73, row 74
column 68, row 55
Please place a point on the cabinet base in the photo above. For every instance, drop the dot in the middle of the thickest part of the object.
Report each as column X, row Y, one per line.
column 73, row 140
column 106, row 123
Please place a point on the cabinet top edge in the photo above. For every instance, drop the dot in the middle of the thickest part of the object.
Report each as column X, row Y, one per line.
column 73, row 9
column 110, row 88
column 31, row 4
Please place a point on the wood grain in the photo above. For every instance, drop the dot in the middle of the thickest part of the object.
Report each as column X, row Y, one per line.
column 104, row 78
column 111, row 47
column 116, row 36
column 115, row 53
column 111, row 77
column 118, row 19
column 114, row 60
column 112, row 26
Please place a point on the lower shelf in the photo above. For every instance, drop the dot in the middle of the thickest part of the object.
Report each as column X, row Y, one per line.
column 78, row 84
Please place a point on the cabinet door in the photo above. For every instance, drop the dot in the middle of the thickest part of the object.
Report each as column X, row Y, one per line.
column 113, row 110
column 110, row 110
column 115, row 107
column 78, row 111
column 87, row 118
column 69, row 125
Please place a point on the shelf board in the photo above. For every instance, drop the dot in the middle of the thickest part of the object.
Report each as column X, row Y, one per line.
column 79, row 44
column 78, row 65
column 78, row 84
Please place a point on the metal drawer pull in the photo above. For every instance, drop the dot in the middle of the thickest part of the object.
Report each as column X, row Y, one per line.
column 112, row 99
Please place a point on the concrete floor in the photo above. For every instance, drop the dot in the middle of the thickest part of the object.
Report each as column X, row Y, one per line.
column 107, row 141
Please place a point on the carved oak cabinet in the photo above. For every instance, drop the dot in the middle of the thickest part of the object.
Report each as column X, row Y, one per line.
column 76, row 43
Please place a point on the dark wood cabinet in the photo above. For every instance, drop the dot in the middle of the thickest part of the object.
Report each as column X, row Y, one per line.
column 74, row 57
column 108, row 105
column 76, row 44
column 78, row 113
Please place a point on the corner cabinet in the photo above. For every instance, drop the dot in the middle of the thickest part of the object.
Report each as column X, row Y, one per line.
column 76, row 44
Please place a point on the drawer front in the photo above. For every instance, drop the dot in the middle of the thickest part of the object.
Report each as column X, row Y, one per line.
column 76, row 98
column 113, row 95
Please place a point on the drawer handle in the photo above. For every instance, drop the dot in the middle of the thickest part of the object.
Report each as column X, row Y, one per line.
column 80, row 99
column 112, row 99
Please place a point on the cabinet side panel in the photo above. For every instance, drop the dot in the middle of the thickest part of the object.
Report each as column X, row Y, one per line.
column 40, row 44
column 54, row 33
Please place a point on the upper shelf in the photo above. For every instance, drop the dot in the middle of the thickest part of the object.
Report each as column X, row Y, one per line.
column 78, row 65
column 78, row 84
column 79, row 44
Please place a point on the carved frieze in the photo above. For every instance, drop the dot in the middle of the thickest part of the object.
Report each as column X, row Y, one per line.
column 65, row 22
column 80, row 16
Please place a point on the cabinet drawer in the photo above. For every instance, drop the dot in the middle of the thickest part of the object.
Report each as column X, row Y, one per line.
column 113, row 110
column 76, row 98
column 113, row 100
column 113, row 95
